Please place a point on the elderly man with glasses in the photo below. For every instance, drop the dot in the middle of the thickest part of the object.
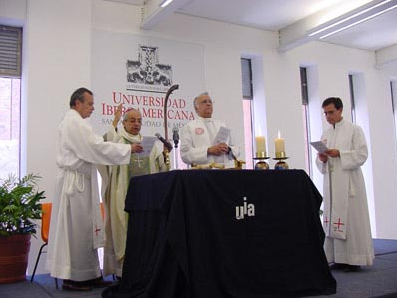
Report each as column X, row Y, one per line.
column 205, row 140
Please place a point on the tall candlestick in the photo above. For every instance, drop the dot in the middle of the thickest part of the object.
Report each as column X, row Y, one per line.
column 260, row 145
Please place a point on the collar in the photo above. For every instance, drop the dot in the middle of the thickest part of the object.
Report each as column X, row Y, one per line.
column 130, row 137
column 75, row 113
column 205, row 119
column 338, row 124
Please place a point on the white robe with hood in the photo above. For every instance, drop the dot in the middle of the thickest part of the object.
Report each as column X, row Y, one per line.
column 76, row 229
column 345, row 218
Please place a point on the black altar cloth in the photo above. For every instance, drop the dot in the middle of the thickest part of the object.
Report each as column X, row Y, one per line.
column 224, row 233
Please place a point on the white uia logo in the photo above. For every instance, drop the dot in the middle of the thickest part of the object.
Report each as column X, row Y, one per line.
column 246, row 209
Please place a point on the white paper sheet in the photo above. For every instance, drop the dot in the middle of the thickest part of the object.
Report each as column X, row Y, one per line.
column 319, row 146
column 147, row 144
column 222, row 136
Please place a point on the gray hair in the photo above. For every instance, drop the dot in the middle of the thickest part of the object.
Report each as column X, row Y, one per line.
column 198, row 96
column 125, row 117
column 78, row 95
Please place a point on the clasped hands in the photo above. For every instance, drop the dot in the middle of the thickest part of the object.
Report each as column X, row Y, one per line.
column 330, row 152
column 218, row 149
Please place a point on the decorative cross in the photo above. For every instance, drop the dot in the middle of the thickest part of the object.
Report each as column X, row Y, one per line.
column 339, row 223
column 326, row 221
column 96, row 230
column 138, row 161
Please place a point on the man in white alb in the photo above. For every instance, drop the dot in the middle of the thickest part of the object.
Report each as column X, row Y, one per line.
column 119, row 178
column 348, row 243
column 76, row 229
column 199, row 143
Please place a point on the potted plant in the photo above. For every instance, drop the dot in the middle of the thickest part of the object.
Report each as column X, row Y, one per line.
column 19, row 206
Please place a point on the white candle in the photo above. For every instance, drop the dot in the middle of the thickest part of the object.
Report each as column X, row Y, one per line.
column 279, row 143
column 260, row 144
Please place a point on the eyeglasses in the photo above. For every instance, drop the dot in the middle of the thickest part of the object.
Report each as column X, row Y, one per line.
column 205, row 101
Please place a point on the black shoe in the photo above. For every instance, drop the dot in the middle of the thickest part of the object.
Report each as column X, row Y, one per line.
column 98, row 283
column 352, row 268
column 338, row 266
column 71, row 285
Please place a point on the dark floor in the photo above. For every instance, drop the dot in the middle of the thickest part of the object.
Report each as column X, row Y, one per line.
column 378, row 281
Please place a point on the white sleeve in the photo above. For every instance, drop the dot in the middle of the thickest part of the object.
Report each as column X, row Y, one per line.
column 189, row 153
column 356, row 156
column 111, row 135
column 92, row 148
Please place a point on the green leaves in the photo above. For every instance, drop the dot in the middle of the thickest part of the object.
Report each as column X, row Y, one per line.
column 19, row 204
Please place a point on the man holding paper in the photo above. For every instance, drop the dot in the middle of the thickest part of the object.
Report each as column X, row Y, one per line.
column 348, row 243
column 206, row 140
column 146, row 158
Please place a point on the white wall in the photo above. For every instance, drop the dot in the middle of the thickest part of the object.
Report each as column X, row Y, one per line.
column 13, row 13
column 57, row 61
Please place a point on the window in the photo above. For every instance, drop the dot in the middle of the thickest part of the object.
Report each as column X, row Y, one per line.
column 352, row 99
column 393, row 90
column 10, row 51
column 246, row 74
column 10, row 100
column 306, row 119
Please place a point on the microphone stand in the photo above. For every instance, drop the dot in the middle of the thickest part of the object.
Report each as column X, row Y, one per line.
column 176, row 154
column 166, row 152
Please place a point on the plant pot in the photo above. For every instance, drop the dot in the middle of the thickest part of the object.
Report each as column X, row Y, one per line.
column 14, row 254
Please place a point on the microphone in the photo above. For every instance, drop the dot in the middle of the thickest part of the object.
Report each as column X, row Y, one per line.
column 175, row 136
column 232, row 154
column 166, row 144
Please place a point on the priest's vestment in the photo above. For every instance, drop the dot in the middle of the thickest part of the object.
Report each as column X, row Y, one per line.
column 76, row 229
column 197, row 136
column 116, row 191
column 345, row 218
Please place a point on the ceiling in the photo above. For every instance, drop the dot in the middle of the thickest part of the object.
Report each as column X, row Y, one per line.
column 291, row 18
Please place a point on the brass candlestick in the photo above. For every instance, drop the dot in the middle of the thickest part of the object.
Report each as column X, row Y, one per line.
column 261, row 164
column 281, row 164
column 238, row 164
column 166, row 154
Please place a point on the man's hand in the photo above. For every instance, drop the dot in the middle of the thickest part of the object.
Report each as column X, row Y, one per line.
column 323, row 157
column 117, row 115
column 136, row 148
column 219, row 149
column 332, row 152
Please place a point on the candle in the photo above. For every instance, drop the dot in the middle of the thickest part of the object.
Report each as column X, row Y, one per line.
column 260, row 144
column 280, row 146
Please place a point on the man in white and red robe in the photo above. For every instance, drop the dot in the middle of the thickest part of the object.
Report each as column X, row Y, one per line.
column 348, row 241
